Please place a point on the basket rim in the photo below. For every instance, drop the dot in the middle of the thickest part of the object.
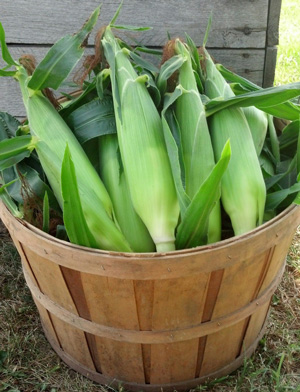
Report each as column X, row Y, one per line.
column 132, row 255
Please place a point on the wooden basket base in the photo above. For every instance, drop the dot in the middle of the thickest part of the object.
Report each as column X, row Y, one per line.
column 179, row 386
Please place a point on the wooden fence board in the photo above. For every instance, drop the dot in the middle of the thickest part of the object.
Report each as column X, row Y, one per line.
column 246, row 62
column 236, row 24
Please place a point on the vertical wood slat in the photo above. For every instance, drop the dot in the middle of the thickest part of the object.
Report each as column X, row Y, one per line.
column 238, row 287
column 214, row 285
column 254, row 323
column 273, row 22
column 175, row 362
column 44, row 314
column 73, row 281
column 144, row 296
column 109, row 301
column 71, row 339
column 270, row 64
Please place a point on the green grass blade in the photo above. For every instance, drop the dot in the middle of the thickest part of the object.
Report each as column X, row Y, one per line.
column 46, row 213
column 193, row 229
column 74, row 220
column 6, row 56
column 62, row 58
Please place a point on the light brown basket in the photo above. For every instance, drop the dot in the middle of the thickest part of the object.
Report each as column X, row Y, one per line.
column 155, row 321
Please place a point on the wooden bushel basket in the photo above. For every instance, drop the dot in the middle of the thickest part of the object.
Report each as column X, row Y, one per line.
column 153, row 321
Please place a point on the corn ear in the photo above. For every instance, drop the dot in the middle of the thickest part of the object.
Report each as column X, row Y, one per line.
column 258, row 124
column 243, row 188
column 197, row 151
column 53, row 136
column 113, row 177
column 142, row 147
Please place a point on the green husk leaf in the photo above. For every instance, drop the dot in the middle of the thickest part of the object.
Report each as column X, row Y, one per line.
column 35, row 182
column 144, row 64
column 61, row 232
column 275, row 199
column 209, row 24
column 86, row 96
column 240, row 85
column 144, row 49
column 93, row 119
column 7, row 73
column 273, row 138
column 75, row 223
column 116, row 15
column 266, row 164
column 102, row 82
column 235, row 78
column 273, row 180
column 263, row 99
column 130, row 28
column 173, row 151
column 62, row 57
column 8, row 201
column 167, row 70
column 288, row 139
column 6, row 56
column 46, row 213
column 113, row 177
column 15, row 150
column 153, row 90
column 8, row 125
column 193, row 228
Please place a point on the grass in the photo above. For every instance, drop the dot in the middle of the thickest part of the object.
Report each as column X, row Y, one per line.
column 28, row 364
column 288, row 57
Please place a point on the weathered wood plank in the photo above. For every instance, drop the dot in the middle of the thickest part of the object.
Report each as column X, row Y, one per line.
column 270, row 64
column 273, row 22
column 235, row 24
column 248, row 63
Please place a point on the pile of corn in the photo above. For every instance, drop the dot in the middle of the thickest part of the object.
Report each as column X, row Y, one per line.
column 141, row 161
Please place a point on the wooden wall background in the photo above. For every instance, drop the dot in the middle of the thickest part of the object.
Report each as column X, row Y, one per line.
column 244, row 33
